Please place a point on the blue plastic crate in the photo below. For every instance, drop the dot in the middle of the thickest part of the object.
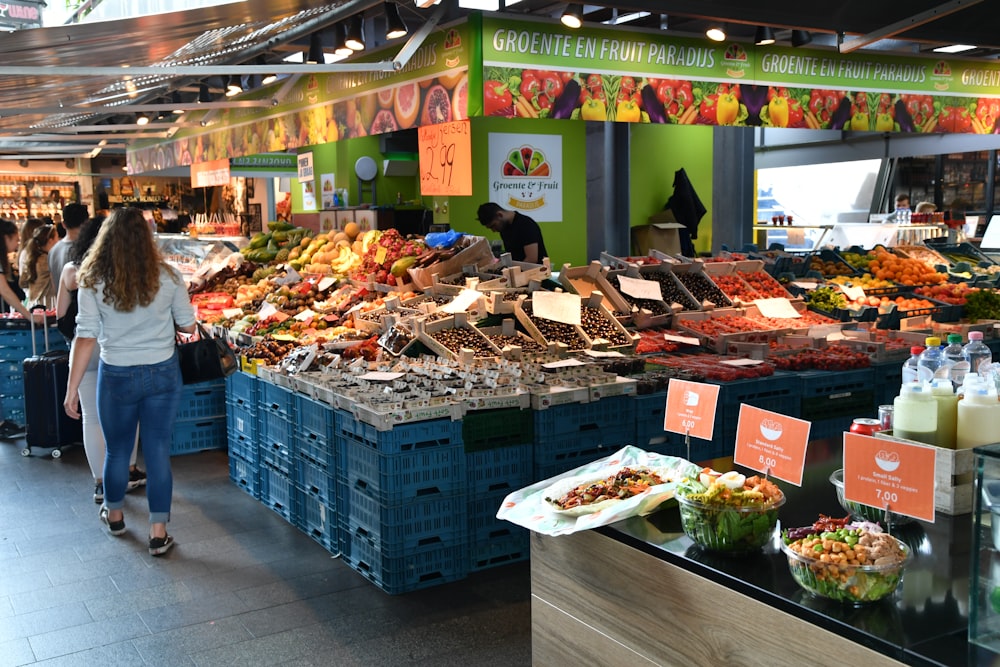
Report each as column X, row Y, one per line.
column 242, row 446
column 11, row 367
column 12, row 383
column 322, row 452
column 205, row 399
column 412, row 571
column 244, row 474
column 277, row 456
column 484, row 526
column 501, row 551
column 241, row 389
column 241, row 419
column 830, row 428
column 397, row 478
column 14, row 414
column 315, row 417
column 273, row 428
column 318, row 520
column 650, row 411
column 611, row 417
column 888, row 379
column 569, row 451
column 315, row 481
column 277, row 400
column 277, row 491
column 398, row 528
column 835, row 395
column 197, row 435
column 501, row 469
column 403, row 437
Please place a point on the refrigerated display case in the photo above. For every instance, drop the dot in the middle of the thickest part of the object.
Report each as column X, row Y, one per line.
column 188, row 254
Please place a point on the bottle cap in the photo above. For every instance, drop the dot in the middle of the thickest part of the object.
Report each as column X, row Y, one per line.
column 975, row 335
column 932, row 341
column 916, row 349
column 954, row 338
column 942, row 386
column 915, row 388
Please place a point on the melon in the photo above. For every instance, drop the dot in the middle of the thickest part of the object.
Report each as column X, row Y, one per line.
column 407, row 104
column 352, row 230
column 340, row 236
column 460, row 100
column 385, row 97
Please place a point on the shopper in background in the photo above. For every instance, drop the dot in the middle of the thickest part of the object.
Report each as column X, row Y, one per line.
column 522, row 237
column 66, row 311
column 11, row 295
column 28, row 228
column 35, row 267
column 925, row 207
column 74, row 215
column 902, row 211
column 130, row 303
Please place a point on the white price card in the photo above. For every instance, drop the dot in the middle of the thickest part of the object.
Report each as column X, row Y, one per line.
column 557, row 306
column 600, row 354
column 828, row 331
column 230, row 313
column 291, row 277
column 565, row 363
column 462, row 302
column 852, row 293
column 266, row 310
column 381, row 376
column 805, row 284
column 305, row 315
column 684, row 340
column 325, row 283
column 640, row 288
column 741, row 362
column 779, row 307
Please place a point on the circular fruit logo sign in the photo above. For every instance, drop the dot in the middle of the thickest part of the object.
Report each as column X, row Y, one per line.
column 736, row 60
column 526, row 161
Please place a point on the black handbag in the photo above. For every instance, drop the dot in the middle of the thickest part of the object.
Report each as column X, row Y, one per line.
column 206, row 359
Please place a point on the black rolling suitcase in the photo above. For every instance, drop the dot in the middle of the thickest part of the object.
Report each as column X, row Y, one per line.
column 45, row 377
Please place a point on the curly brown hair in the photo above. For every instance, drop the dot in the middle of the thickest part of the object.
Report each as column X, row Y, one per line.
column 35, row 249
column 125, row 259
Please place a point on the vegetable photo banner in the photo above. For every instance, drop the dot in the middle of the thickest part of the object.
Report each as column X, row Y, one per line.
column 534, row 69
column 526, row 174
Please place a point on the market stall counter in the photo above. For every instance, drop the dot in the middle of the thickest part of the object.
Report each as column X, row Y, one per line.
column 640, row 588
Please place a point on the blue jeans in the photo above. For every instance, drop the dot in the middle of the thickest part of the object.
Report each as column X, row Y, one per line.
column 147, row 396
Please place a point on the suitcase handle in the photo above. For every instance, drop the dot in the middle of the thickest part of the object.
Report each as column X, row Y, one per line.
column 45, row 333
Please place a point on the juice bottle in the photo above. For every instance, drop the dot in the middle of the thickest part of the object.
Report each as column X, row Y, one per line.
column 947, row 412
column 914, row 415
column 978, row 417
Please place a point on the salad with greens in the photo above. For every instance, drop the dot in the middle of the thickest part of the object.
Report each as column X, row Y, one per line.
column 729, row 513
column 852, row 562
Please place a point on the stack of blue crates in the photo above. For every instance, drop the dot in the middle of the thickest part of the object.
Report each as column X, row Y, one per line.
column 276, row 448
column 571, row 435
column 201, row 418
column 314, row 476
column 241, row 427
column 831, row 400
column 402, row 502
column 15, row 347
column 498, row 448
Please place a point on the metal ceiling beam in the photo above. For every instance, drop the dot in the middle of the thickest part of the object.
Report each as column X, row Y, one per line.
column 902, row 26
column 194, row 70
column 20, row 133
column 133, row 108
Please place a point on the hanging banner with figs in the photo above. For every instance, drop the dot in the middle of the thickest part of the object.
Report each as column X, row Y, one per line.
column 543, row 70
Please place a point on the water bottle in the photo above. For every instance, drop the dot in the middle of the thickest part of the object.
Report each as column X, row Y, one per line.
column 955, row 354
column 910, row 365
column 976, row 353
column 932, row 363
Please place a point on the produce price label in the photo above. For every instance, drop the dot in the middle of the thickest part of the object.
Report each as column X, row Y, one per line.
column 772, row 443
column 851, row 292
column 880, row 472
column 462, row 302
column 557, row 306
column 641, row 288
column 779, row 307
column 691, row 408
column 445, row 158
column 684, row 340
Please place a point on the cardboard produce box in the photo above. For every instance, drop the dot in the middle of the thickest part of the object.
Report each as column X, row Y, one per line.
column 660, row 234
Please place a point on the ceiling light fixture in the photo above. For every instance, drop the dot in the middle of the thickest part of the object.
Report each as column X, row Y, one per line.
column 395, row 27
column 204, row 97
column 142, row 118
column 355, row 33
column 316, row 55
column 573, row 16
column 175, row 99
column 764, row 36
column 801, row 37
column 340, row 47
column 233, row 86
column 954, row 48
column 716, row 33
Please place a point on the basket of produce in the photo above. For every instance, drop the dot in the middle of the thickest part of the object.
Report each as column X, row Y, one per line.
column 854, row 563
column 828, row 263
column 865, row 512
column 833, row 303
column 729, row 513
column 699, row 285
column 594, row 277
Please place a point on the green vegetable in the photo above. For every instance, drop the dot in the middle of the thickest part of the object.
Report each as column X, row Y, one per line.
column 727, row 529
column 982, row 305
column 827, row 299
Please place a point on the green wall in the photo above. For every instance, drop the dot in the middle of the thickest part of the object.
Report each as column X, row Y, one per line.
column 656, row 152
column 566, row 241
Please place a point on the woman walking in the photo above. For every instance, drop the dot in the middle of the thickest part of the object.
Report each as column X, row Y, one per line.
column 131, row 303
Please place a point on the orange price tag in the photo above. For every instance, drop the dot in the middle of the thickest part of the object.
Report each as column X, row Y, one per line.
column 691, row 408
column 445, row 158
column 880, row 472
column 772, row 443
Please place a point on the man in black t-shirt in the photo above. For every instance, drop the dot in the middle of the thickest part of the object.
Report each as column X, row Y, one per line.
column 521, row 236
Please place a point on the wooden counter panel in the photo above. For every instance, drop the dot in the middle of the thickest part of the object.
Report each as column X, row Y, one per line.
column 627, row 605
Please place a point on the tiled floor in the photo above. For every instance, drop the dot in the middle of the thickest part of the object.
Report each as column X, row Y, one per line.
column 241, row 587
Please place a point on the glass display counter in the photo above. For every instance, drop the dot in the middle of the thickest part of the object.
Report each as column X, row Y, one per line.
column 188, row 254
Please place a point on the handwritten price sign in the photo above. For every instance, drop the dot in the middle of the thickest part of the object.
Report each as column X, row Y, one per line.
column 445, row 158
